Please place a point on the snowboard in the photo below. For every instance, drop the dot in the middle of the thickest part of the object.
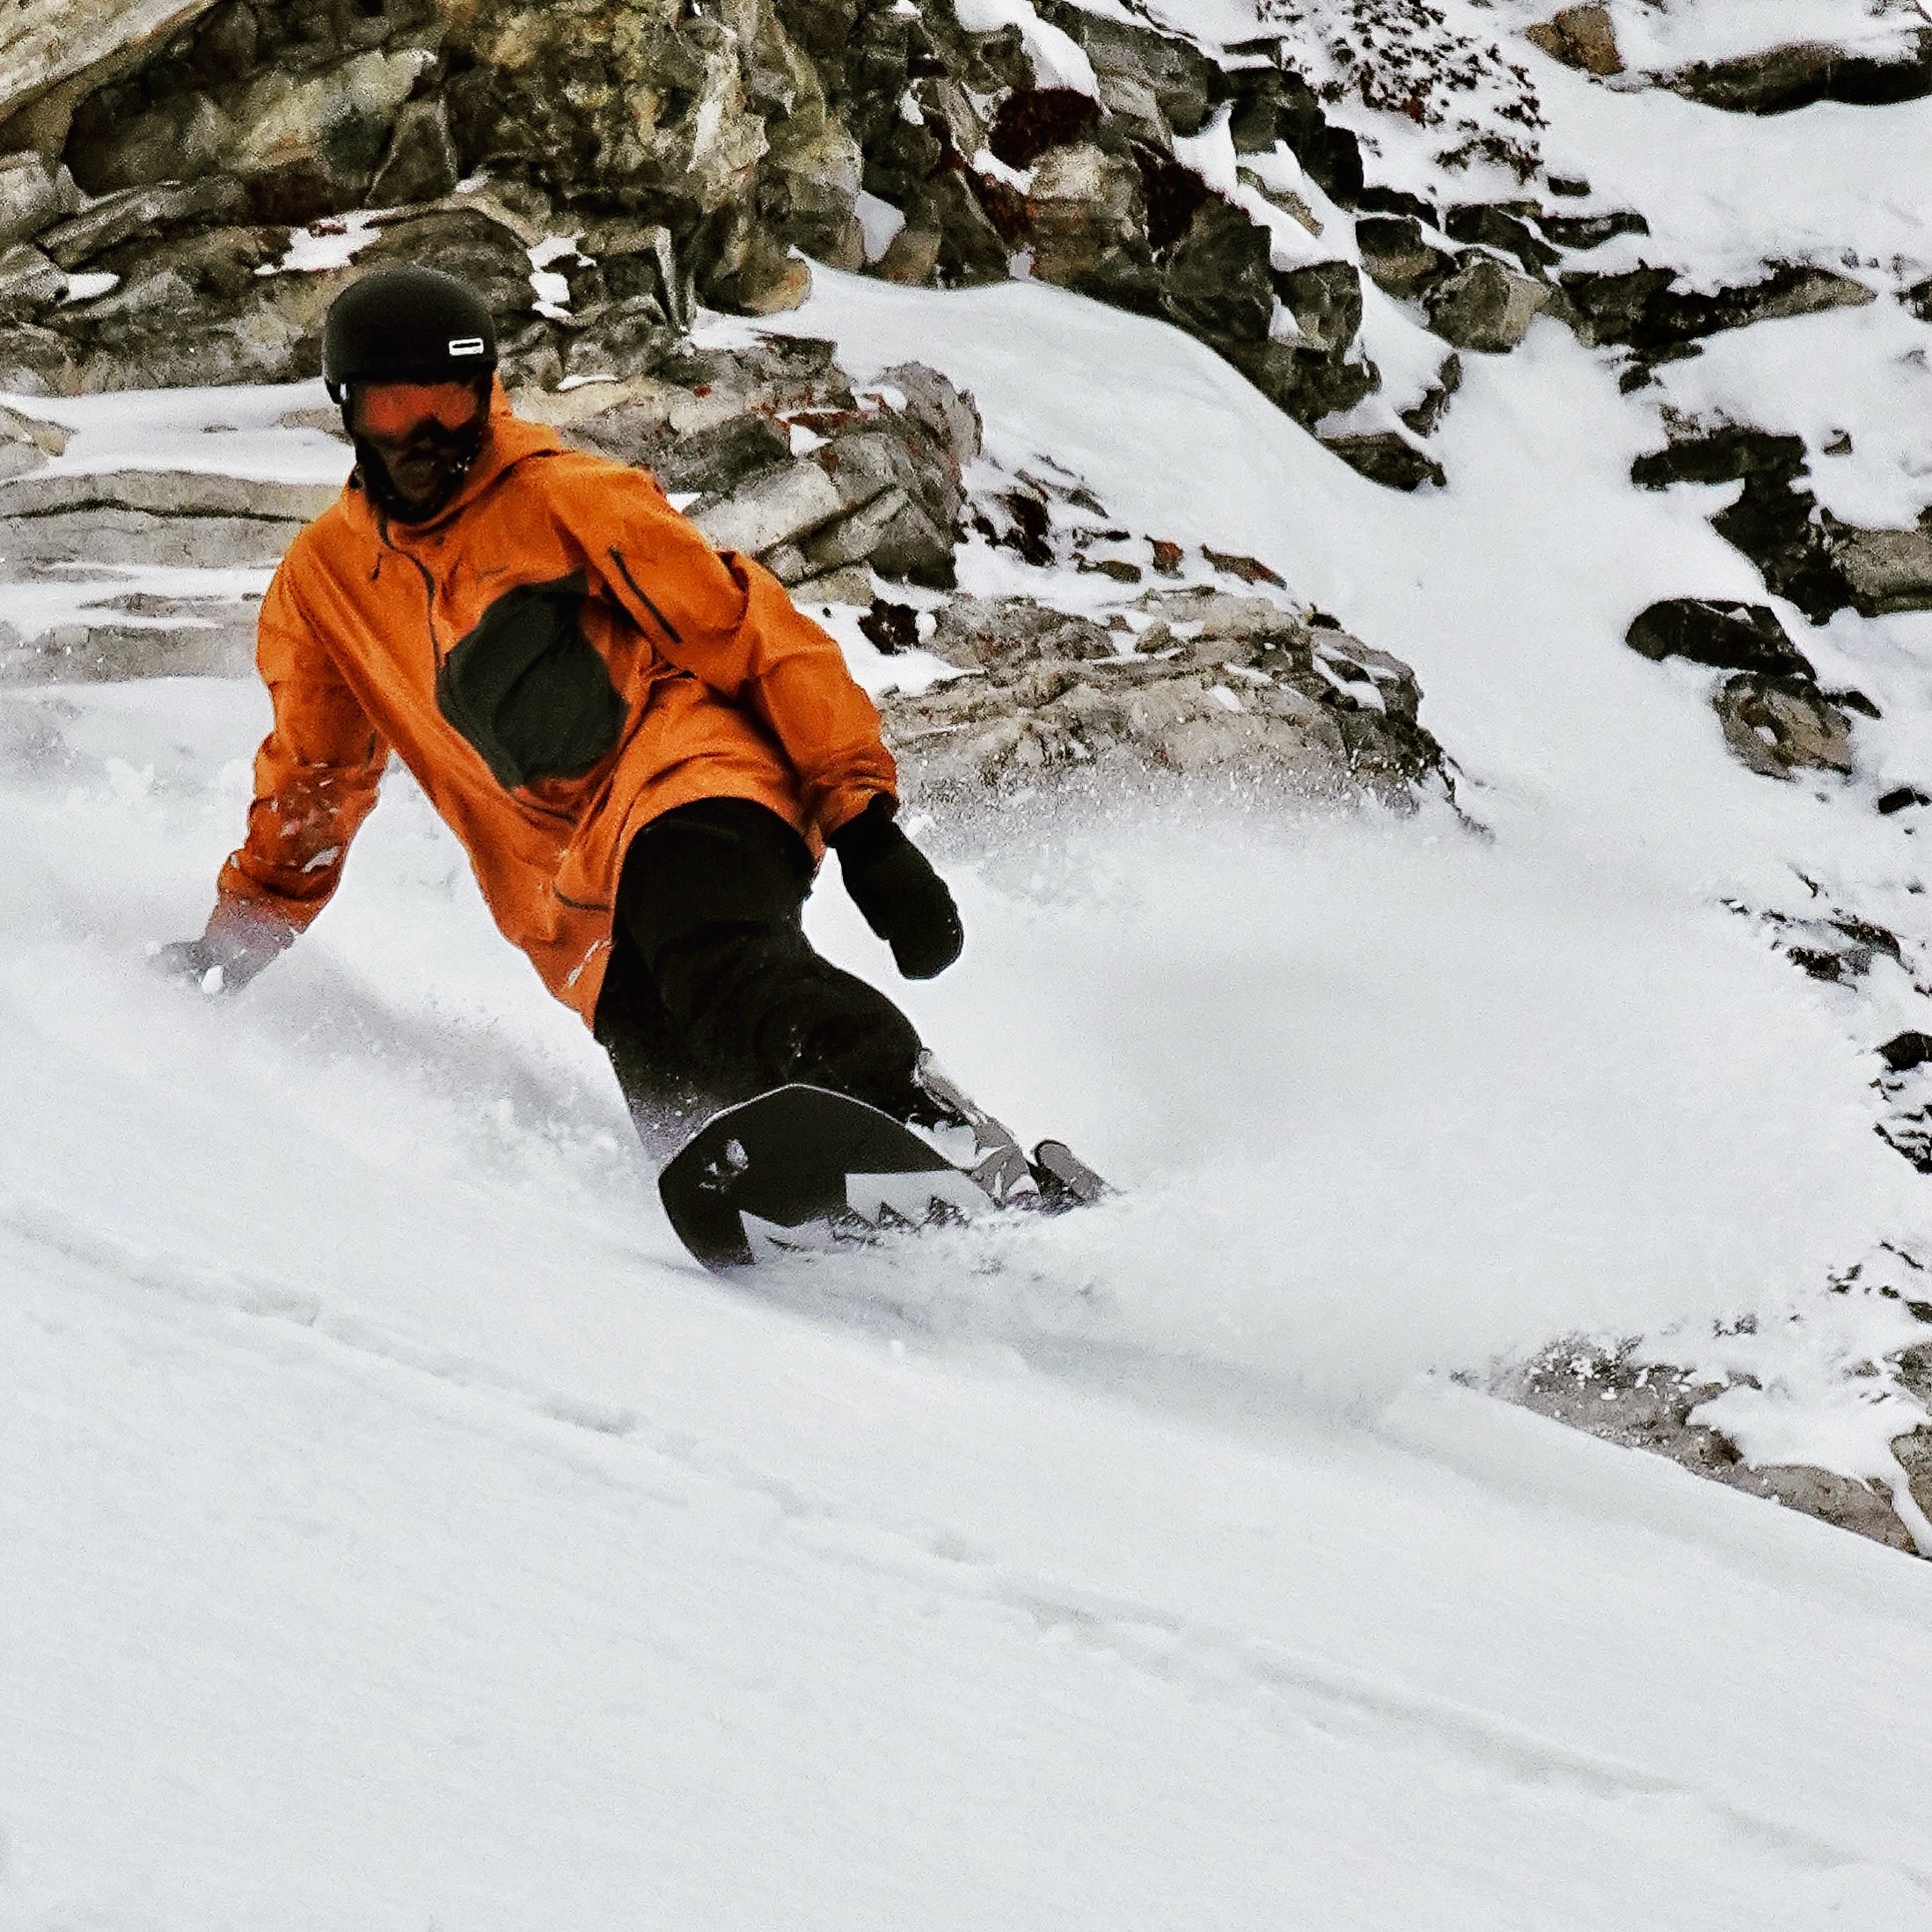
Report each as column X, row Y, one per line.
column 802, row 1167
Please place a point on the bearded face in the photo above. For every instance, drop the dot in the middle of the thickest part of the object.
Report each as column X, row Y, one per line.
column 416, row 442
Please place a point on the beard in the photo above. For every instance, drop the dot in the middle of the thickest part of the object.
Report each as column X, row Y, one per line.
column 432, row 466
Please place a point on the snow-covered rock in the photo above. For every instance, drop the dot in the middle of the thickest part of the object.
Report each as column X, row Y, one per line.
column 1193, row 684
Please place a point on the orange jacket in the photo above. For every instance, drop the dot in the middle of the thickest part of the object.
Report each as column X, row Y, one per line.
column 559, row 657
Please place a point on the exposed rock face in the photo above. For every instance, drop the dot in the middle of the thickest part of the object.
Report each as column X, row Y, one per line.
column 1388, row 458
column 1088, row 221
column 1745, row 637
column 305, row 139
column 1644, row 308
column 44, row 42
column 1778, row 727
column 31, row 194
column 174, row 518
column 1885, row 570
column 881, row 485
column 740, row 133
column 1213, row 686
column 1788, row 78
column 26, row 444
column 1485, row 306
column 1608, row 1392
column 58, row 524
column 1821, row 563
column 1582, row 37
column 1775, row 720
column 1399, row 261
column 731, row 142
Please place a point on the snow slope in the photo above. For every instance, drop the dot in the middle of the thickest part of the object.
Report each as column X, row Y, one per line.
column 395, row 1531
column 399, row 1533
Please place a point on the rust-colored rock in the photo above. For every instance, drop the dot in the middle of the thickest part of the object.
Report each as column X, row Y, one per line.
column 1581, row 37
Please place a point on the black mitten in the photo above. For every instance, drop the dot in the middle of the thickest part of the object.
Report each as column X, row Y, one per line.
column 893, row 883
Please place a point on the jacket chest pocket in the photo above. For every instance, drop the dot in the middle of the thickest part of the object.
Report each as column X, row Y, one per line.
column 527, row 688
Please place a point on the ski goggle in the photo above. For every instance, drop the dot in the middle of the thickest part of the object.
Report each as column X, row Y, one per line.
column 394, row 411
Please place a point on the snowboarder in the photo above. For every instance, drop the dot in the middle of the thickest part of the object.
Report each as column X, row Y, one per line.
column 642, row 744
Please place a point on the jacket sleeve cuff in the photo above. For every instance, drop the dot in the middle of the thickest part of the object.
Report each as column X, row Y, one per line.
column 251, row 922
column 868, row 832
column 849, row 812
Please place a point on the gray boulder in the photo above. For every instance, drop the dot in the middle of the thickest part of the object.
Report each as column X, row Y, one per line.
column 466, row 240
column 1397, row 258
column 1325, row 302
column 1219, row 283
column 1485, row 306
column 36, row 361
column 421, row 163
column 1157, row 84
column 1644, row 308
column 1784, row 78
column 946, row 413
column 1780, row 727
column 948, row 237
column 1387, row 458
column 27, row 443
column 29, row 281
column 145, row 212
column 1885, row 570
column 1775, row 718
column 31, row 195
column 775, row 506
column 1088, row 220
column 180, row 519
column 881, row 487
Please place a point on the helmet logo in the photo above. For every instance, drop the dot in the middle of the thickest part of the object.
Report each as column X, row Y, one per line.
column 466, row 345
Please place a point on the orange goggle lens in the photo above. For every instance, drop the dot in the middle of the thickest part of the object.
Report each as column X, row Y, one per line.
column 393, row 411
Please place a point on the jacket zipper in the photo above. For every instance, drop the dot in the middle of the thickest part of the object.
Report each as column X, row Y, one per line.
column 643, row 596
column 428, row 586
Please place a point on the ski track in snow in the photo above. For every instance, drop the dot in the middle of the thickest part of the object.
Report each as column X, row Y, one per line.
column 1338, row 1711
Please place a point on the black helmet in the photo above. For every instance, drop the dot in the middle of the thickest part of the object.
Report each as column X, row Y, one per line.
column 406, row 324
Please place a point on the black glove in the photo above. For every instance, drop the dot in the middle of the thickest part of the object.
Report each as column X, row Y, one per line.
column 903, row 900
column 234, row 948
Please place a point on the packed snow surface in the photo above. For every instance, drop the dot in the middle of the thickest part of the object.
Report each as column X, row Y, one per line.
column 398, row 1531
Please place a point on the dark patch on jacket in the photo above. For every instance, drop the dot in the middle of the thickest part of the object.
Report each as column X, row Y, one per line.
column 527, row 688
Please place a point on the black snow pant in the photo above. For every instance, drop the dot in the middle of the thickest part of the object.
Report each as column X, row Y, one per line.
column 714, row 994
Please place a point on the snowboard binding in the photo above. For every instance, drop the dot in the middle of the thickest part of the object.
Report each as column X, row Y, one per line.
column 1051, row 1180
